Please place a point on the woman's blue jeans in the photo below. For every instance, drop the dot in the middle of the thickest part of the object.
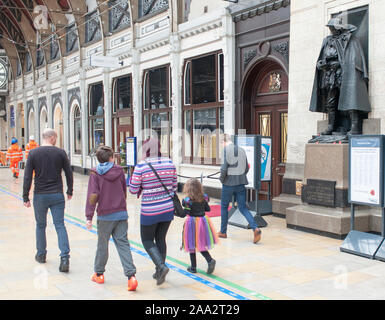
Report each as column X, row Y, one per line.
column 56, row 203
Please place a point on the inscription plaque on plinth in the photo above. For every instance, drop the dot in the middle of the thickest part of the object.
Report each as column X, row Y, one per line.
column 319, row 192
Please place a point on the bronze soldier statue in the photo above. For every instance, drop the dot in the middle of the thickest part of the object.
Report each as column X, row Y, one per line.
column 340, row 85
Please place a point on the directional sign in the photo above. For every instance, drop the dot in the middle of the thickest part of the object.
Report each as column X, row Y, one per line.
column 106, row 62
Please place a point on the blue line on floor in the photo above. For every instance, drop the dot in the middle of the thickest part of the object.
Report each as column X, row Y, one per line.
column 172, row 267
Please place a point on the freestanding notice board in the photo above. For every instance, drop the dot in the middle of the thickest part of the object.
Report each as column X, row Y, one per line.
column 266, row 151
column 366, row 187
column 131, row 151
column 258, row 153
column 251, row 144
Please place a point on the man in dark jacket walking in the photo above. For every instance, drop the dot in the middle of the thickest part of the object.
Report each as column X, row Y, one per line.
column 233, row 177
column 47, row 162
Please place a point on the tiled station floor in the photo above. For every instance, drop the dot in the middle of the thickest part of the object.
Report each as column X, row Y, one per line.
column 285, row 264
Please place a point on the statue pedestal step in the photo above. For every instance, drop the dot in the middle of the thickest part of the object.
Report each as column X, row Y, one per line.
column 331, row 222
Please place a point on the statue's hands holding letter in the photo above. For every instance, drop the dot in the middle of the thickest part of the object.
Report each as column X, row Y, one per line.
column 321, row 64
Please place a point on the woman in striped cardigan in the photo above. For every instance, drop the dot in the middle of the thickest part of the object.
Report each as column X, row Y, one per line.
column 157, row 209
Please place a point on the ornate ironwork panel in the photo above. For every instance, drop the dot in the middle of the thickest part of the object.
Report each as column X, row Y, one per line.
column 29, row 62
column 151, row 6
column 92, row 27
column 13, row 33
column 28, row 3
column 18, row 68
column 71, row 38
column 39, row 57
column 11, row 7
column 119, row 16
column 54, row 48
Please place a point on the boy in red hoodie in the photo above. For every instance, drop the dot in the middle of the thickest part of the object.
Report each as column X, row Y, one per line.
column 107, row 188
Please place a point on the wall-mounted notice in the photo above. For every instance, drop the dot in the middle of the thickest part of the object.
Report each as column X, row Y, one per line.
column 266, row 159
column 366, row 170
column 131, row 152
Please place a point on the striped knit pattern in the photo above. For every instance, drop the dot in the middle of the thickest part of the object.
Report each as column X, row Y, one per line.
column 157, row 205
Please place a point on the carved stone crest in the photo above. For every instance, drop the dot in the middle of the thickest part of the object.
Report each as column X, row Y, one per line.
column 283, row 49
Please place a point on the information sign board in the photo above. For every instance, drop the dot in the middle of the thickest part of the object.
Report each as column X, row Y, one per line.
column 266, row 158
column 252, row 146
column 366, row 170
column 131, row 151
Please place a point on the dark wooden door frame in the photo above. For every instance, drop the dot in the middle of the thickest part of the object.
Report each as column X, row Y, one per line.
column 252, row 105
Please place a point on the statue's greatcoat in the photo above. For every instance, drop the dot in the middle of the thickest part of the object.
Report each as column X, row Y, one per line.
column 353, row 90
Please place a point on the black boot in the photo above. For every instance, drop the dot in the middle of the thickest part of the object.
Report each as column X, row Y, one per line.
column 356, row 122
column 211, row 266
column 156, row 268
column 64, row 264
column 158, row 260
column 332, row 115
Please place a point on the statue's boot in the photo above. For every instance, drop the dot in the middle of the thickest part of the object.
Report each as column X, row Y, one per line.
column 356, row 122
column 332, row 115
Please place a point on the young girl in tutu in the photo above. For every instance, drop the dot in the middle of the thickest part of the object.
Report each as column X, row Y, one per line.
column 198, row 231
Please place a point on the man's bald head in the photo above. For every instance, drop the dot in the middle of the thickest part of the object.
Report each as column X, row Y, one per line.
column 49, row 136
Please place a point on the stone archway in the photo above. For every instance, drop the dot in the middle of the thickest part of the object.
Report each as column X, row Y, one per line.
column 58, row 125
column 75, row 128
column 265, row 109
column 31, row 123
column 43, row 120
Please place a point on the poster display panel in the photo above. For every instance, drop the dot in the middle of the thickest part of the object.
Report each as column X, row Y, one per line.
column 251, row 145
column 266, row 158
column 366, row 170
column 131, row 151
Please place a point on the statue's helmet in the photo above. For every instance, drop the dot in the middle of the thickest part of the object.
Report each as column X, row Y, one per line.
column 337, row 23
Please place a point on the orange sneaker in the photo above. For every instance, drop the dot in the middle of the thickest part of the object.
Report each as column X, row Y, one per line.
column 132, row 284
column 97, row 279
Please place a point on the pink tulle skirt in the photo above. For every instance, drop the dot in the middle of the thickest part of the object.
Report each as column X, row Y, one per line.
column 198, row 234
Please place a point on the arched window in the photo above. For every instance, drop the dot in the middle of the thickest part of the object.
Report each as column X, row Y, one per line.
column 122, row 115
column 157, row 114
column 96, row 116
column 43, row 120
column 203, row 115
column 77, row 130
column 58, row 125
column 31, row 123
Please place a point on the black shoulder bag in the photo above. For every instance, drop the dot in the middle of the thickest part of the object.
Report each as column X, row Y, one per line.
column 178, row 209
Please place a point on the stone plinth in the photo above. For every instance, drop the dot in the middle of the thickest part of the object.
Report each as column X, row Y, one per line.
column 324, row 208
column 328, row 163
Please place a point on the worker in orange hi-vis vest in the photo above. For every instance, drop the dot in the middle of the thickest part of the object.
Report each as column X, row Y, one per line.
column 32, row 144
column 15, row 155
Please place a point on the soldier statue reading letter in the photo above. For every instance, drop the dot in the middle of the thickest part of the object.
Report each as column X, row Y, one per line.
column 340, row 84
